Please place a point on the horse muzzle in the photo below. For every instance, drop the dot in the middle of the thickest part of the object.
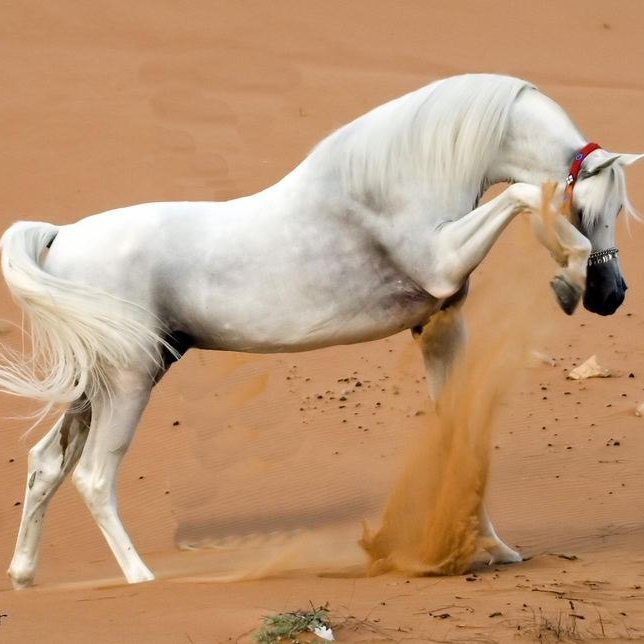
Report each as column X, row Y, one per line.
column 605, row 286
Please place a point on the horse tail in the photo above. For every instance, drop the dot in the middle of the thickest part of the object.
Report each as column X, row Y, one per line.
column 79, row 335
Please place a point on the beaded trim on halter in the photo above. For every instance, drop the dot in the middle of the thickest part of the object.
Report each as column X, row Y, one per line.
column 602, row 256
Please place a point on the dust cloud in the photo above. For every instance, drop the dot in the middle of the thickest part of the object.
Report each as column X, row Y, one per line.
column 431, row 522
column 430, row 525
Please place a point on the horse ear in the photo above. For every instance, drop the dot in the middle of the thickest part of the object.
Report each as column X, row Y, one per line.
column 628, row 159
column 602, row 159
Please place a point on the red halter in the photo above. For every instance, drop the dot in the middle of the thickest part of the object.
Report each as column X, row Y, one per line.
column 571, row 179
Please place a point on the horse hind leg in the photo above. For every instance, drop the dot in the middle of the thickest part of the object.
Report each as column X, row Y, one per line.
column 50, row 460
column 115, row 417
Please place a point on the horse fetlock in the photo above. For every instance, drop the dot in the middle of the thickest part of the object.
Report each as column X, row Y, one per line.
column 576, row 274
column 22, row 572
column 20, row 583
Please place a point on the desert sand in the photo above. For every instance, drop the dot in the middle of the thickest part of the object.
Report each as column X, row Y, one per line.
column 260, row 469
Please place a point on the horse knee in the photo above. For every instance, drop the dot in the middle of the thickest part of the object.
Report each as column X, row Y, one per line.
column 525, row 196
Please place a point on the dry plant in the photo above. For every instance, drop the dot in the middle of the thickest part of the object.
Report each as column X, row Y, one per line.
column 296, row 627
column 562, row 628
column 565, row 627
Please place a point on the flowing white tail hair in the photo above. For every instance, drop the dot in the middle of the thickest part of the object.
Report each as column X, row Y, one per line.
column 79, row 335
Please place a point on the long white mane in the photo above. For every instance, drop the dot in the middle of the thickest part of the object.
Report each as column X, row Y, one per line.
column 608, row 194
column 438, row 137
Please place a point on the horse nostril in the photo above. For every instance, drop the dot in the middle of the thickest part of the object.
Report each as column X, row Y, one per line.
column 615, row 300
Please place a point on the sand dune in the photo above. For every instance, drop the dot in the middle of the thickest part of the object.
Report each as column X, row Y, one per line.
column 257, row 459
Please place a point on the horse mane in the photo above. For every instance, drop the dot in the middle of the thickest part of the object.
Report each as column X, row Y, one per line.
column 440, row 136
column 608, row 194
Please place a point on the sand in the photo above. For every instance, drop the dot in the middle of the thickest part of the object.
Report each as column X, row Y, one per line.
column 259, row 458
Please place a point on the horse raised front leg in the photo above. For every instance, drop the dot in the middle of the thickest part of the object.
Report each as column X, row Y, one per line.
column 50, row 460
column 114, row 420
column 440, row 341
column 464, row 243
column 569, row 248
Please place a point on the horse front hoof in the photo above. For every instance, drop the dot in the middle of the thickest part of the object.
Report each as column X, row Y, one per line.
column 503, row 554
column 568, row 295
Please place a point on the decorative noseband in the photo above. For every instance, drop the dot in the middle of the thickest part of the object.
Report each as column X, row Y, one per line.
column 602, row 256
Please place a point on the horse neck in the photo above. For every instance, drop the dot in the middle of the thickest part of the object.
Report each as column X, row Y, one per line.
column 540, row 142
column 431, row 146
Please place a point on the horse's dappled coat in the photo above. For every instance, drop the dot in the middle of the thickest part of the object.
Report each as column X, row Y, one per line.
column 376, row 231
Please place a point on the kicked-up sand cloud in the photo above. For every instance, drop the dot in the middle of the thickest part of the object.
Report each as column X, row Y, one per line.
column 431, row 522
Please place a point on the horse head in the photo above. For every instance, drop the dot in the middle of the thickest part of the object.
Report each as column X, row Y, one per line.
column 542, row 144
column 599, row 195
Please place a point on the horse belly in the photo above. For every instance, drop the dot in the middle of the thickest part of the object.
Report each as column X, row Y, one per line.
column 303, row 324
column 325, row 287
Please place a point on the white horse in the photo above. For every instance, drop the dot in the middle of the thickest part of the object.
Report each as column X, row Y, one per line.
column 376, row 231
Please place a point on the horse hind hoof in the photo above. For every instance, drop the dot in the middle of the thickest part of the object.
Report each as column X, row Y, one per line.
column 568, row 295
column 20, row 581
